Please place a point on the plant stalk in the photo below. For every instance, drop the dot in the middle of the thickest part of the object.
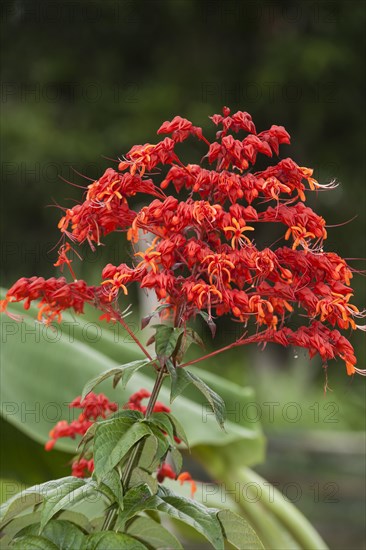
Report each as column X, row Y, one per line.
column 288, row 516
column 111, row 516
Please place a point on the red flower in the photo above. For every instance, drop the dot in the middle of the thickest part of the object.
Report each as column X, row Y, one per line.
column 180, row 128
column 56, row 296
column 164, row 471
column 204, row 256
column 82, row 467
column 93, row 406
column 135, row 399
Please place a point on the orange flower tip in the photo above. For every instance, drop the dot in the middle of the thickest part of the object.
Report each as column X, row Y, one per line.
column 350, row 369
column 49, row 445
column 4, row 304
column 184, row 476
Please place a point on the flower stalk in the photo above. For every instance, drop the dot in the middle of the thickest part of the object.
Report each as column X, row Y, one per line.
column 133, row 459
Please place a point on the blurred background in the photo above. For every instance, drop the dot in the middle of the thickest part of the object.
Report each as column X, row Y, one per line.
column 83, row 81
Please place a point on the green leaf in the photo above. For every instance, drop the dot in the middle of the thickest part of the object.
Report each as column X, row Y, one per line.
column 17, row 524
column 64, row 534
column 148, row 460
column 202, row 519
column 177, row 459
column 161, row 420
column 33, row 542
column 179, row 380
column 163, row 443
column 185, row 340
column 113, row 439
column 87, row 439
column 111, row 541
column 124, row 372
column 78, row 519
column 137, row 499
column 142, row 477
column 112, row 482
column 183, row 378
column 18, row 503
column 166, row 339
column 64, row 495
column 31, row 497
column 155, row 535
column 238, row 531
column 178, row 429
column 127, row 413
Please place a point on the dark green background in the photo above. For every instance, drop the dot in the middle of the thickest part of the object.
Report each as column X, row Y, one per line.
column 82, row 81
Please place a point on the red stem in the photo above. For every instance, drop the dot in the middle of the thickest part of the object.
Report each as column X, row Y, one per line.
column 239, row 342
column 134, row 338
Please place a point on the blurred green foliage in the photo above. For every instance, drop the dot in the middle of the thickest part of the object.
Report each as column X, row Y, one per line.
column 84, row 80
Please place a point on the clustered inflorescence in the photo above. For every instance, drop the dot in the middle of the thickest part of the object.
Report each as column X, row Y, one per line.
column 95, row 406
column 202, row 256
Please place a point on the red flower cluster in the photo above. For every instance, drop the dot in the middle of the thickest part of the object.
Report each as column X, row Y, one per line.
column 93, row 407
column 96, row 406
column 204, row 256
column 134, row 403
column 82, row 467
column 55, row 295
column 105, row 208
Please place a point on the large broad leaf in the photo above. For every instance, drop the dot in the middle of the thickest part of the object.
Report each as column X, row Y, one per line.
column 30, row 497
column 111, row 541
column 293, row 525
column 35, row 396
column 153, row 534
column 21, row 473
column 14, row 527
column 53, row 496
column 33, row 542
column 64, row 534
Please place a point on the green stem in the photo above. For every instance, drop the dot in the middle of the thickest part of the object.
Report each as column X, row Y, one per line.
column 269, row 530
column 295, row 522
column 111, row 516
column 136, row 453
